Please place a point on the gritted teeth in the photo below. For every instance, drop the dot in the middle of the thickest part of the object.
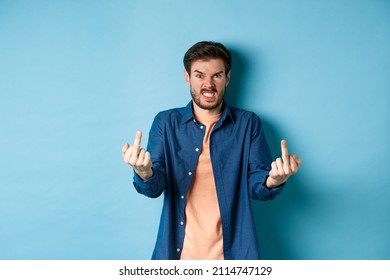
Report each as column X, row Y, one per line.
column 208, row 94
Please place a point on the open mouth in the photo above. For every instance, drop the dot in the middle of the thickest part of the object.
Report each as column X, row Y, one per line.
column 209, row 93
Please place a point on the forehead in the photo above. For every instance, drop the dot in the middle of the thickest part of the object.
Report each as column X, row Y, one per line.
column 213, row 65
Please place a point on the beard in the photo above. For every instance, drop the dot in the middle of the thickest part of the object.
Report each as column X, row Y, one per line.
column 196, row 97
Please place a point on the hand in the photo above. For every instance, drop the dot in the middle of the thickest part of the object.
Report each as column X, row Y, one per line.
column 138, row 158
column 282, row 168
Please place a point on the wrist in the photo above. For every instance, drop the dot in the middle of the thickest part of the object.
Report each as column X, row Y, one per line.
column 144, row 174
column 274, row 183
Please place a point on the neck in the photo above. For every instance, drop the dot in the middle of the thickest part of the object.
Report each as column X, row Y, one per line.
column 205, row 112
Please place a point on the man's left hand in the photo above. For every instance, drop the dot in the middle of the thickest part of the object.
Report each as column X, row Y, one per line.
column 282, row 168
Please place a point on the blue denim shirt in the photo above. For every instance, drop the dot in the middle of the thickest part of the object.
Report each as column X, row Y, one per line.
column 241, row 161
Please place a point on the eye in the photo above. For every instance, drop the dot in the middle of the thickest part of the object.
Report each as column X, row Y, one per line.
column 199, row 76
column 218, row 76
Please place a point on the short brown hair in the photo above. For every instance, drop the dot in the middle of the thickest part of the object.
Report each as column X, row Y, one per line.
column 207, row 50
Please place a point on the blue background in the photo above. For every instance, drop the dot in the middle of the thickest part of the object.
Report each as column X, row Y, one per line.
column 78, row 78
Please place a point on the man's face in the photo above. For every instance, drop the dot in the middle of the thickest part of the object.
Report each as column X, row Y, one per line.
column 207, row 82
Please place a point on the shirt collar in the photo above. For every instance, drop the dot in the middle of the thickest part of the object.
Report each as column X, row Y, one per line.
column 188, row 114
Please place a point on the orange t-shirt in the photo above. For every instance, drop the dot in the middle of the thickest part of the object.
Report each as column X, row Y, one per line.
column 203, row 229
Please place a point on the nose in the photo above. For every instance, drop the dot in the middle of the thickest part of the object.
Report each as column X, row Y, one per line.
column 209, row 81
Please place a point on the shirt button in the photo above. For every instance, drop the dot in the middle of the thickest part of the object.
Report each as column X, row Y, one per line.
column 201, row 127
column 178, row 249
column 182, row 223
column 190, row 173
column 182, row 197
column 197, row 149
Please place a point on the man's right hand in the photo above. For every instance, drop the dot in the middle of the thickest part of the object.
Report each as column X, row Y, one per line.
column 138, row 158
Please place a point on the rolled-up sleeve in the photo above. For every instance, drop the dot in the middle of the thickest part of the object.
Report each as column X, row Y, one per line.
column 260, row 160
column 154, row 186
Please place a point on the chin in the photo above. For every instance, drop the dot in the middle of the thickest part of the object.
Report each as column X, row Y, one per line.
column 209, row 106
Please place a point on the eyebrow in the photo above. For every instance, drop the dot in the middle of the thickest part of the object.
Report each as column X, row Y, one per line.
column 217, row 73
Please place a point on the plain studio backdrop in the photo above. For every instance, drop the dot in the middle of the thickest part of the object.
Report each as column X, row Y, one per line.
column 78, row 78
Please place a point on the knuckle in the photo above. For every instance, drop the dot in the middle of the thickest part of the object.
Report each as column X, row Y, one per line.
column 126, row 158
column 293, row 170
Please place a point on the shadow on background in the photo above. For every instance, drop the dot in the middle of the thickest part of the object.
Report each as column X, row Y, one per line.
column 269, row 216
column 238, row 78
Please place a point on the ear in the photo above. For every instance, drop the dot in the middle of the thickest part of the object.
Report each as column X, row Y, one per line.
column 228, row 78
column 187, row 77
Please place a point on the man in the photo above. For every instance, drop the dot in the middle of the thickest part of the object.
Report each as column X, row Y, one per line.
column 209, row 159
